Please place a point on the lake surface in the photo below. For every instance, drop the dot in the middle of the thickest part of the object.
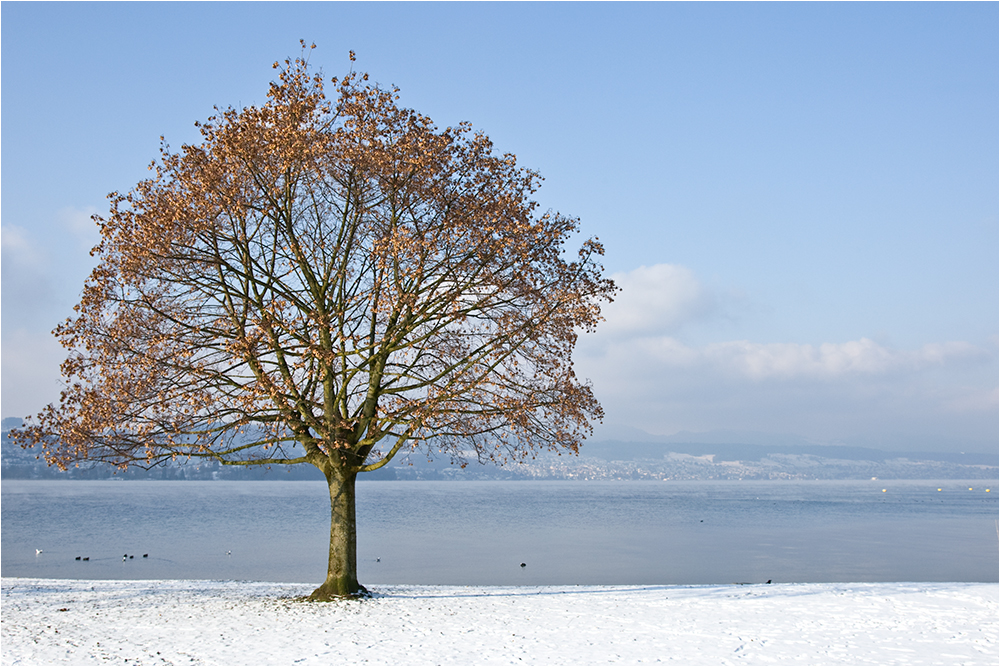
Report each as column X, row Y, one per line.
column 567, row 532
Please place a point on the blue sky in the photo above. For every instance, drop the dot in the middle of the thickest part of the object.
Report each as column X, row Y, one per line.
column 799, row 199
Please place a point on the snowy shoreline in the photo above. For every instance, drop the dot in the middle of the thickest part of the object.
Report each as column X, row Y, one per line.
column 78, row 622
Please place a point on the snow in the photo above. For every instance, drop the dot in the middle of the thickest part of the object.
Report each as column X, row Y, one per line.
column 48, row 621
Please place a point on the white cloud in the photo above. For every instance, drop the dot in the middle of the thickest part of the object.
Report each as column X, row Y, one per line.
column 656, row 299
column 829, row 360
column 30, row 372
column 43, row 273
column 778, row 361
column 647, row 377
column 25, row 276
column 78, row 222
column 18, row 248
column 42, row 276
column 943, row 393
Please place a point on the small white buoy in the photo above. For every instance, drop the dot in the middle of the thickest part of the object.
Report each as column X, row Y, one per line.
column 38, row 551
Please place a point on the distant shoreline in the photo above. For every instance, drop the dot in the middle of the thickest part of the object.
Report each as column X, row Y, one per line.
column 990, row 482
column 603, row 459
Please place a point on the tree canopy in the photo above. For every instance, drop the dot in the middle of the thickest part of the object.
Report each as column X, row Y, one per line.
column 327, row 281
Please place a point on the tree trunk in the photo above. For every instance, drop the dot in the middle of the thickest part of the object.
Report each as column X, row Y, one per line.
column 342, row 569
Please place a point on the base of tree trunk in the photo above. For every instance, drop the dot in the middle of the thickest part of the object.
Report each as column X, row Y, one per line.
column 338, row 590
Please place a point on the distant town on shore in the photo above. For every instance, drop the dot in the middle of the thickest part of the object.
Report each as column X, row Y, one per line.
column 600, row 459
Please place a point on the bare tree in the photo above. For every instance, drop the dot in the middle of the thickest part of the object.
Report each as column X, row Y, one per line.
column 327, row 282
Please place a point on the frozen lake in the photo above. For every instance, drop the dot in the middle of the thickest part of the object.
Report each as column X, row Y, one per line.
column 478, row 533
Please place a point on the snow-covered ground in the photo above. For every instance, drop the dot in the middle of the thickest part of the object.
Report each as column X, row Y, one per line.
column 47, row 621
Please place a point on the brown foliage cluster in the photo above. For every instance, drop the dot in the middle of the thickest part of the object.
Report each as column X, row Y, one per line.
column 337, row 273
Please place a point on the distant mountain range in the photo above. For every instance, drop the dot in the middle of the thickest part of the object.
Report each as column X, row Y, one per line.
column 633, row 454
column 612, row 450
column 921, row 443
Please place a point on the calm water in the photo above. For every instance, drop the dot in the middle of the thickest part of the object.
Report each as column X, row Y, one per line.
column 480, row 532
